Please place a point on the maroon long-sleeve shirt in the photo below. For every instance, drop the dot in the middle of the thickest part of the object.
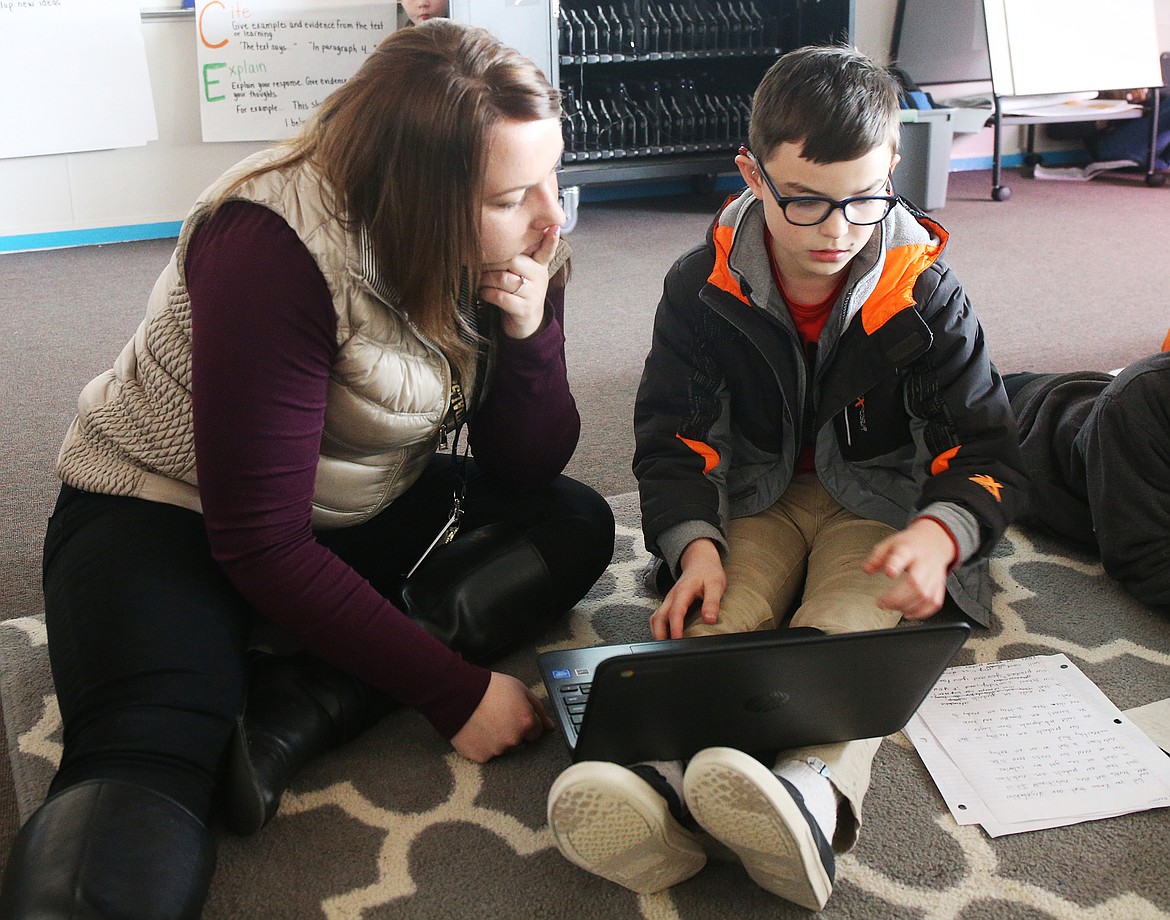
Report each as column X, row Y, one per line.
column 264, row 339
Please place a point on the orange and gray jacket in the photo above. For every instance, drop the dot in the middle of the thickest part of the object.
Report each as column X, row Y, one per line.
column 907, row 412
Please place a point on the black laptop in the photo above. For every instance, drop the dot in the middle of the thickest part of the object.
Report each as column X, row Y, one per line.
column 756, row 692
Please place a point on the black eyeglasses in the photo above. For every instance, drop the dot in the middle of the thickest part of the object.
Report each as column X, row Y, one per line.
column 810, row 210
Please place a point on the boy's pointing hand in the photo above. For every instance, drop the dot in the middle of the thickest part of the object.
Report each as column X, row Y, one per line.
column 919, row 557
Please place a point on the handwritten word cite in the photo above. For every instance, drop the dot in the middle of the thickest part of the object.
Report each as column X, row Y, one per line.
column 209, row 40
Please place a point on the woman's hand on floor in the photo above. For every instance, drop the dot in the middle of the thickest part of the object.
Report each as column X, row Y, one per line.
column 508, row 715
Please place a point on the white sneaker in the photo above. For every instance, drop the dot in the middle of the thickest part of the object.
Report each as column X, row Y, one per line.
column 609, row 821
column 762, row 818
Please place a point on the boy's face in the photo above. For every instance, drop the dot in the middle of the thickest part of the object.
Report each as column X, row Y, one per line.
column 810, row 259
column 422, row 10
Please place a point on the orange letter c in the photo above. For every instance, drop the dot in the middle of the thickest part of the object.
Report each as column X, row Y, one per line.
column 203, row 38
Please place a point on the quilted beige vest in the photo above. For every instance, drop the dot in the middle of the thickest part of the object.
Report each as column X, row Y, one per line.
column 388, row 393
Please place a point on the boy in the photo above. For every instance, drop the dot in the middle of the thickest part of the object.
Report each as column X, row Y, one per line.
column 819, row 425
column 421, row 10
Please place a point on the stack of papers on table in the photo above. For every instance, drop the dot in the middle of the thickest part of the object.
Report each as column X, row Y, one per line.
column 1072, row 108
column 1031, row 743
column 1025, row 105
column 1081, row 173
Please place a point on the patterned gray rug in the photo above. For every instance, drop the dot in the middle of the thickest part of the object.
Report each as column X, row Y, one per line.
column 395, row 825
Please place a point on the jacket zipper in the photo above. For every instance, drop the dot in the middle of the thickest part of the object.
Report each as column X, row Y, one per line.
column 798, row 405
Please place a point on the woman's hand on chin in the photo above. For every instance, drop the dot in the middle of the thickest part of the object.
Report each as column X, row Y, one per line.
column 518, row 287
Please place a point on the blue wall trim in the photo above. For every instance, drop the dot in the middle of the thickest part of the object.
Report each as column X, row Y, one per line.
column 1014, row 160
column 725, row 183
column 67, row 238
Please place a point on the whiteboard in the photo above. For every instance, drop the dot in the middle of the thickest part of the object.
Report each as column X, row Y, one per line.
column 1065, row 46
column 73, row 76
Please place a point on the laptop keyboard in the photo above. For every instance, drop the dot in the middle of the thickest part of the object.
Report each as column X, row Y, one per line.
column 575, row 696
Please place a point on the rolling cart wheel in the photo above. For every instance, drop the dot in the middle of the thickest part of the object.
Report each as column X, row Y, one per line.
column 1156, row 180
column 1001, row 193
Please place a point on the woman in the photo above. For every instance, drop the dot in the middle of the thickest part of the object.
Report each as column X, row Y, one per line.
column 282, row 443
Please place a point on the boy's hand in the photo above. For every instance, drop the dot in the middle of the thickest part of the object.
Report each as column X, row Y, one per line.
column 702, row 577
column 919, row 557
column 508, row 715
column 518, row 287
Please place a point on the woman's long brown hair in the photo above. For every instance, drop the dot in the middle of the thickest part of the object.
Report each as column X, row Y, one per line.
column 402, row 147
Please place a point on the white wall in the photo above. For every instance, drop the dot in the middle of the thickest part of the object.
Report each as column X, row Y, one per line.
column 131, row 186
column 875, row 27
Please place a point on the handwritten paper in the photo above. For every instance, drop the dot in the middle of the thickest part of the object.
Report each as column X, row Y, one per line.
column 265, row 65
column 74, row 77
column 1030, row 743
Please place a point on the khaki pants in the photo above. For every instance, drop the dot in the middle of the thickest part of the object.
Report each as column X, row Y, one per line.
column 807, row 540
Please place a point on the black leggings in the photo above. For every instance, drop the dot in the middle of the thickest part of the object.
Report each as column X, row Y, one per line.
column 147, row 638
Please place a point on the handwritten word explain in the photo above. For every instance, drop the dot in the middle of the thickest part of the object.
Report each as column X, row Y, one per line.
column 262, row 74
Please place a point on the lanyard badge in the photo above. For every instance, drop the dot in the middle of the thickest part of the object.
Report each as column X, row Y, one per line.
column 446, row 535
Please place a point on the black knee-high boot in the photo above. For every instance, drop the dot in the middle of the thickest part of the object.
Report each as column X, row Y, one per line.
column 107, row 848
column 297, row 708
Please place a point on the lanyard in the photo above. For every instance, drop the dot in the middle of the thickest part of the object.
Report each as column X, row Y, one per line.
column 447, row 532
column 459, row 412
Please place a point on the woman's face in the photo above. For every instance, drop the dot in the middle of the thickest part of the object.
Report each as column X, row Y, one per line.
column 422, row 10
column 520, row 188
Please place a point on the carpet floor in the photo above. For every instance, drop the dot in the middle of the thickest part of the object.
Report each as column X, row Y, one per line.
column 394, row 825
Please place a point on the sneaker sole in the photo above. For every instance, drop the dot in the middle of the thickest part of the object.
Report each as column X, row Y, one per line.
column 612, row 823
column 742, row 804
